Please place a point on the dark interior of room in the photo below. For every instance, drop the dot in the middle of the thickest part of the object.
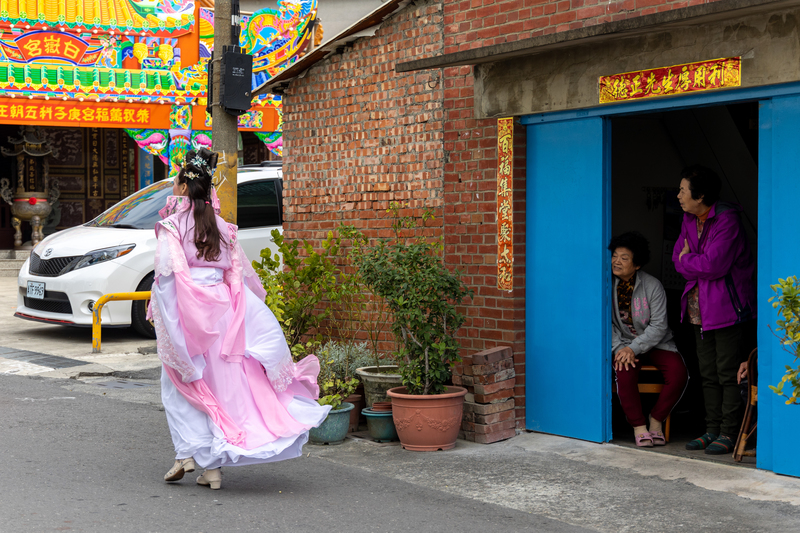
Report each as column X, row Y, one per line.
column 648, row 153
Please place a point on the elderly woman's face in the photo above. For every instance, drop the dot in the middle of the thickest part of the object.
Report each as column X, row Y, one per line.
column 622, row 263
column 689, row 204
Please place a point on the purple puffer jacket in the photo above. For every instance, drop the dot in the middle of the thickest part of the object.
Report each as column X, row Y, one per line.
column 721, row 264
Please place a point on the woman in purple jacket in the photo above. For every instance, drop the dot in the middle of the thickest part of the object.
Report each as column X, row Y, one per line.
column 714, row 256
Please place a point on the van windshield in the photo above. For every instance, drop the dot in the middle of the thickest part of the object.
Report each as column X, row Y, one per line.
column 137, row 211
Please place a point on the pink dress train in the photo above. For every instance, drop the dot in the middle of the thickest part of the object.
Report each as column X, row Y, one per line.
column 231, row 392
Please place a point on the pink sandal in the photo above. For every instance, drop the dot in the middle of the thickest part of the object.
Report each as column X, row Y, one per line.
column 645, row 440
column 658, row 438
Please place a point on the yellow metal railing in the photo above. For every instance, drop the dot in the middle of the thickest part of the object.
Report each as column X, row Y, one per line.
column 98, row 308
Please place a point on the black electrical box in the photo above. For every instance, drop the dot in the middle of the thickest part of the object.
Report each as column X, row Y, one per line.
column 237, row 82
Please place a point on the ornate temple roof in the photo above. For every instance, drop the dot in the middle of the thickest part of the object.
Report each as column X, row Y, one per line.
column 143, row 17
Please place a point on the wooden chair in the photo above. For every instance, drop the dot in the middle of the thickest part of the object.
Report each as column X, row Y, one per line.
column 750, row 422
column 649, row 388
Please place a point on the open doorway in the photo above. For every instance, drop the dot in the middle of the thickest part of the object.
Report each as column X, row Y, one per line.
column 648, row 153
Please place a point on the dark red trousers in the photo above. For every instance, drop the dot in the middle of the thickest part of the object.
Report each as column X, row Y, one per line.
column 675, row 375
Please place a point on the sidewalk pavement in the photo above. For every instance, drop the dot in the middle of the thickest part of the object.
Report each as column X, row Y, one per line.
column 121, row 347
column 602, row 487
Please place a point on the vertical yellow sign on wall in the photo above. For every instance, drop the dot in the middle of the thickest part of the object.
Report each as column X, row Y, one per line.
column 505, row 204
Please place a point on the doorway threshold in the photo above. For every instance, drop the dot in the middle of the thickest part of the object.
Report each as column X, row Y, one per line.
column 677, row 447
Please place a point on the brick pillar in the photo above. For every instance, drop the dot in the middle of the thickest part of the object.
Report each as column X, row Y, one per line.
column 489, row 407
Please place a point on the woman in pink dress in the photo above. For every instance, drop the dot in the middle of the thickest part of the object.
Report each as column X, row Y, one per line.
column 231, row 392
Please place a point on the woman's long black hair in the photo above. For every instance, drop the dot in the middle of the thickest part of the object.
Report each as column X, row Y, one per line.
column 196, row 173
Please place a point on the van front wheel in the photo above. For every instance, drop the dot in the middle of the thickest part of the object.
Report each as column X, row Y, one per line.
column 139, row 321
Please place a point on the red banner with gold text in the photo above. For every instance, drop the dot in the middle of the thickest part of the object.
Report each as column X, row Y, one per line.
column 666, row 81
column 505, row 204
column 83, row 114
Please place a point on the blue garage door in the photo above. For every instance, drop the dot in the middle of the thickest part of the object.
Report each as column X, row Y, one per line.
column 778, row 257
column 568, row 367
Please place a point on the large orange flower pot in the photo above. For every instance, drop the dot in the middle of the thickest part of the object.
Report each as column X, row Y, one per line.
column 427, row 423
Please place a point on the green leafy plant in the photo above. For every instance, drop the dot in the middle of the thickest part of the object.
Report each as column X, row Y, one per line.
column 334, row 386
column 296, row 291
column 359, row 307
column 422, row 295
column 787, row 302
column 348, row 356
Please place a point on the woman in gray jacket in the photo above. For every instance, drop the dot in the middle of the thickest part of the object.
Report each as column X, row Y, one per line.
column 640, row 335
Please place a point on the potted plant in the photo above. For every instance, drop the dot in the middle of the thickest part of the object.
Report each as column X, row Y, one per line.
column 347, row 357
column 787, row 302
column 422, row 295
column 367, row 313
column 333, row 389
column 298, row 287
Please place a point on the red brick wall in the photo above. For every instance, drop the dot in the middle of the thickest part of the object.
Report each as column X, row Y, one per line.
column 358, row 136
column 476, row 23
column 494, row 318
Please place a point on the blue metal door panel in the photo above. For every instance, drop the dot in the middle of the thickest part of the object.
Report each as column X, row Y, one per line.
column 568, row 368
column 778, row 257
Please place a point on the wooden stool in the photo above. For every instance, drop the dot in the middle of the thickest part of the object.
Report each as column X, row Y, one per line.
column 650, row 388
column 748, row 424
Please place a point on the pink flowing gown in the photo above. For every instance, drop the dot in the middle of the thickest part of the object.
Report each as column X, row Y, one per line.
column 231, row 392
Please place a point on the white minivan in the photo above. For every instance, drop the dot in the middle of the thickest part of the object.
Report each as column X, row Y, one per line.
column 70, row 270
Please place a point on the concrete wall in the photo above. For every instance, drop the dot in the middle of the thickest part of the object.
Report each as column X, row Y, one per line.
column 567, row 78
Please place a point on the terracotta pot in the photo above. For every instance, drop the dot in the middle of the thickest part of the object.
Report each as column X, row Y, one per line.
column 356, row 400
column 382, row 406
column 427, row 423
column 362, row 420
column 377, row 383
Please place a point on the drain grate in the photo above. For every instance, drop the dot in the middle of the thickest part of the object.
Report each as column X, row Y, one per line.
column 36, row 358
column 122, row 384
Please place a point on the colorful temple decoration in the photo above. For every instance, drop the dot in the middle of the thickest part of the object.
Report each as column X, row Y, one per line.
column 143, row 17
column 139, row 65
column 277, row 38
column 273, row 140
column 180, row 142
column 181, row 117
column 155, row 142
column 201, row 139
column 206, row 31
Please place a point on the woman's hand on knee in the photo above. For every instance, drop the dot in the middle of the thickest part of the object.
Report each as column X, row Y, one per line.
column 624, row 358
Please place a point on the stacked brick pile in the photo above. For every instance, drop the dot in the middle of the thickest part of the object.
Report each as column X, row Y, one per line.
column 489, row 378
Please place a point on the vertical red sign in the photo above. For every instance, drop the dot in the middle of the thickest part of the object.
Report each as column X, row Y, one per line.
column 505, row 204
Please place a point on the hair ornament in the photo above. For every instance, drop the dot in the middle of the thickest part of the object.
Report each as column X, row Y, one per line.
column 191, row 175
column 200, row 162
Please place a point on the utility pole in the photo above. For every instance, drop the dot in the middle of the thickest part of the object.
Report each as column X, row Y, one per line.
column 224, row 129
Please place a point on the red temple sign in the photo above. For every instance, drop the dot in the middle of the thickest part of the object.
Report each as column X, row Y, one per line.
column 505, row 204
column 677, row 79
column 84, row 114
column 58, row 46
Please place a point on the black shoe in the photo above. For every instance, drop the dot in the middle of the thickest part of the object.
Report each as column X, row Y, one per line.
column 721, row 446
column 701, row 443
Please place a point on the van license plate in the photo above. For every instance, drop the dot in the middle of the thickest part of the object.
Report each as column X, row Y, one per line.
column 36, row 290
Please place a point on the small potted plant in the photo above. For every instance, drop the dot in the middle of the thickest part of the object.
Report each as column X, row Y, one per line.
column 422, row 295
column 333, row 389
column 347, row 357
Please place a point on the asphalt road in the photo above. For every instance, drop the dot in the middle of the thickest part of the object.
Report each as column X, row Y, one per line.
column 80, row 461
